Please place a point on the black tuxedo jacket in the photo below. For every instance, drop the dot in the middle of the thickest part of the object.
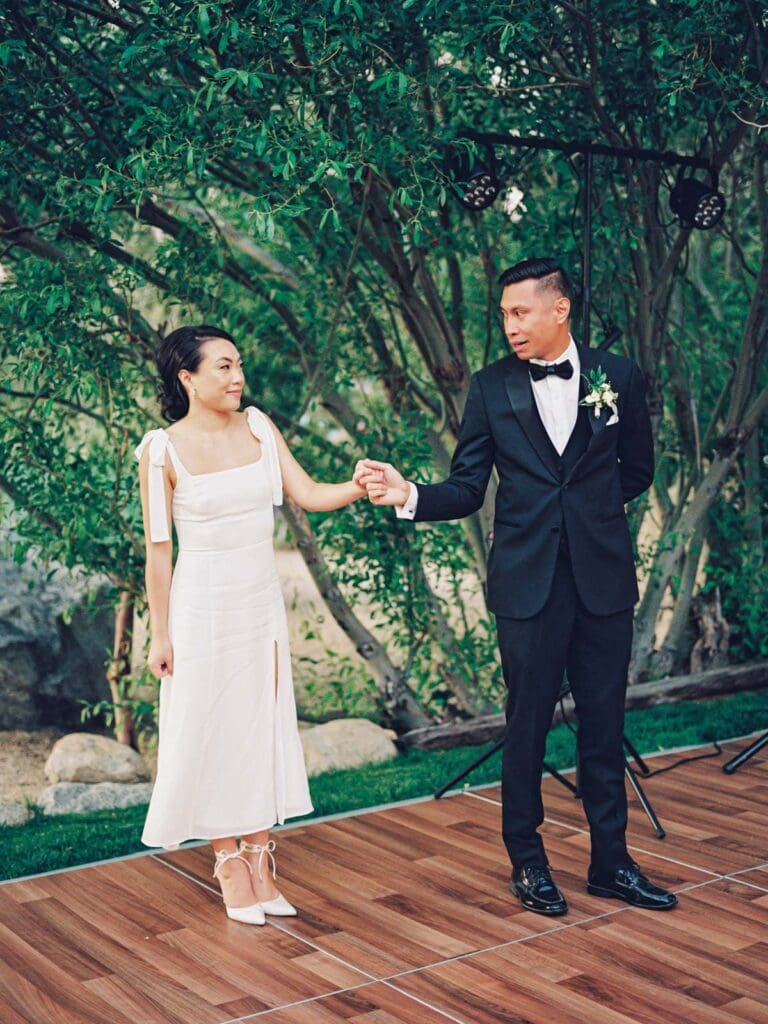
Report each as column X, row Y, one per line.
column 541, row 494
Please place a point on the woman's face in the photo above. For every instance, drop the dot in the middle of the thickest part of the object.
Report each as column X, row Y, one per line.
column 218, row 381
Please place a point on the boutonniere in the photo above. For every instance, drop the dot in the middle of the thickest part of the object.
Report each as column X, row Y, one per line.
column 599, row 392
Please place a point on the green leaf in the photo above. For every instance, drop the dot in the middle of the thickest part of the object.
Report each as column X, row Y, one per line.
column 203, row 20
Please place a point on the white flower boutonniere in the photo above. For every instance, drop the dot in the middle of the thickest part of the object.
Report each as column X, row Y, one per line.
column 599, row 392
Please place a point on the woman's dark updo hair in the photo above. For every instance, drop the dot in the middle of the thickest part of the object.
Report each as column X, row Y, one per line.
column 180, row 350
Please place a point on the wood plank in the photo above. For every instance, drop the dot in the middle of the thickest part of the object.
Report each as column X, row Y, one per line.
column 424, row 915
column 159, row 939
column 635, row 966
column 119, row 992
column 52, row 944
column 41, row 992
column 372, row 1004
column 448, row 896
column 712, row 820
column 749, row 1010
column 670, row 690
column 757, row 876
column 422, row 889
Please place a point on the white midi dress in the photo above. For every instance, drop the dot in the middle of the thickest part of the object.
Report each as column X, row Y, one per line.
column 230, row 760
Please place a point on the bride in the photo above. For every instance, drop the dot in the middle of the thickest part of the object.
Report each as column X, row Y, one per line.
column 230, row 763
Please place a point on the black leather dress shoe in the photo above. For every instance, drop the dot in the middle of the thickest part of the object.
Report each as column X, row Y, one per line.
column 630, row 885
column 535, row 889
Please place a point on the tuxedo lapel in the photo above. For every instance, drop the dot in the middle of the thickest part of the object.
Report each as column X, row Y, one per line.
column 518, row 386
column 590, row 360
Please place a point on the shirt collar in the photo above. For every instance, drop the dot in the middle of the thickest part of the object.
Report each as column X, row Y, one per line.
column 571, row 353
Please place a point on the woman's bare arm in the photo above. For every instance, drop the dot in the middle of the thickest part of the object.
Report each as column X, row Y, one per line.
column 157, row 578
column 309, row 494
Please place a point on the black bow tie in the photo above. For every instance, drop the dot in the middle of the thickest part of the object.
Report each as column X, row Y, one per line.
column 564, row 370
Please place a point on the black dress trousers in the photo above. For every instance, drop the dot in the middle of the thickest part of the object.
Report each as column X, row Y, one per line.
column 535, row 653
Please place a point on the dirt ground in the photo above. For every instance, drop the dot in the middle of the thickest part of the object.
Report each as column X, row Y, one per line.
column 22, row 758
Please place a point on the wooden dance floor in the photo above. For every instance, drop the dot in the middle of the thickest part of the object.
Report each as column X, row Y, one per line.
column 406, row 919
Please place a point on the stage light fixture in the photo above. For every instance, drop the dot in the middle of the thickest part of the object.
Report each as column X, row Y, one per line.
column 696, row 204
column 474, row 178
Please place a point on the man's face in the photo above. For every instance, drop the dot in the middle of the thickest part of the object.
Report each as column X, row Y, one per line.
column 535, row 320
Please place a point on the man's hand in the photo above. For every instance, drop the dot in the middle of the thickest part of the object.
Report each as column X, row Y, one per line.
column 361, row 474
column 385, row 485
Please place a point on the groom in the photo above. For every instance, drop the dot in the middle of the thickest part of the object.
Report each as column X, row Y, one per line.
column 569, row 433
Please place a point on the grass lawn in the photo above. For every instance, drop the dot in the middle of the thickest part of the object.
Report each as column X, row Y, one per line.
column 46, row 843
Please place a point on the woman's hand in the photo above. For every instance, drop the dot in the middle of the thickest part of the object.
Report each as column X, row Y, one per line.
column 364, row 476
column 160, row 659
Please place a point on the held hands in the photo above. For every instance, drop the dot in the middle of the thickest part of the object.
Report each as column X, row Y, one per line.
column 360, row 475
column 384, row 484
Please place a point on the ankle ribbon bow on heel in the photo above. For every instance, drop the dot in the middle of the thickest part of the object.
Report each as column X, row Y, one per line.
column 279, row 906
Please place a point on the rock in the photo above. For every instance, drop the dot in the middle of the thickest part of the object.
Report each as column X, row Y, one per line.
column 88, row 757
column 345, row 743
column 12, row 812
column 79, row 797
column 17, row 681
column 54, row 639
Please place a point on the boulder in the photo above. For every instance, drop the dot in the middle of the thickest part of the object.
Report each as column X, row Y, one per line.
column 13, row 812
column 88, row 757
column 55, row 634
column 79, row 797
column 345, row 743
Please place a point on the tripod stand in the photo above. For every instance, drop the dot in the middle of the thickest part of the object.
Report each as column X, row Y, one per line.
column 738, row 761
column 629, row 771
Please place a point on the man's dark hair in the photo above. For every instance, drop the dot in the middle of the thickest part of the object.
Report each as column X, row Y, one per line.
column 548, row 272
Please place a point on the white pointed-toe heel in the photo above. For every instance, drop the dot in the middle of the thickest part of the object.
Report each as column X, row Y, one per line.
column 279, row 906
column 252, row 914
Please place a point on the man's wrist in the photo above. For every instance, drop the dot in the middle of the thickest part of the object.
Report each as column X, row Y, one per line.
column 407, row 510
column 405, row 493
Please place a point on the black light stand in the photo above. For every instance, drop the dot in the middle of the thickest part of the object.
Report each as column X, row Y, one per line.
column 489, row 753
column 634, row 782
column 738, row 761
column 629, row 771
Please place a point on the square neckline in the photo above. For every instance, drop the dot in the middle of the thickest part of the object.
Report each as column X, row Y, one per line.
column 213, row 472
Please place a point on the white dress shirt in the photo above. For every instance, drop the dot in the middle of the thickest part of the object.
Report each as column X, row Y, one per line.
column 557, row 401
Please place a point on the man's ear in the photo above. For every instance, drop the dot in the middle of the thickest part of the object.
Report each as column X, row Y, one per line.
column 562, row 309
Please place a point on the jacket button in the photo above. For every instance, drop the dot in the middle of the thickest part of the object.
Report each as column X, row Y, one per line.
column 555, row 529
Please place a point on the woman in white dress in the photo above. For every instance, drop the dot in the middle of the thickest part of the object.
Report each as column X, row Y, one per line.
column 230, row 763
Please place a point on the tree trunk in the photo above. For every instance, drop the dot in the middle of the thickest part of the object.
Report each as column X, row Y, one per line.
column 398, row 701
column 681, row 531
column 671, row 656
column 711, row 648
column 753, row 522
column 120, row 669
column 715, row 683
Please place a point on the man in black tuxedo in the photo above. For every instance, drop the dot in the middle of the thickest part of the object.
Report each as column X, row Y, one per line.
column 561, row 574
